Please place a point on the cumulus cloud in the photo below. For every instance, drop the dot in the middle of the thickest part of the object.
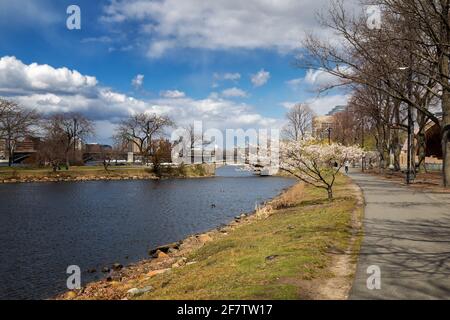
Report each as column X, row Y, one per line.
column 259, row 79
column 323, row 105
column 321, row 78
column 234, row 93
column 219, row 24
column 138, row 81
column 14, row 74
column 51, row 90
column 173, row 94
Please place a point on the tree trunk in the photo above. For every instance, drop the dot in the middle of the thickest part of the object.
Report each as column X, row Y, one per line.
column 330, row 193
column 396, row 149
column 444, row 73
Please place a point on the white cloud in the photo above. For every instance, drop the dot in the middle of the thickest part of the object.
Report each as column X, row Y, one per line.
column 106, row 106
column 288, row 104
column 321, row 78
column 294, row 84
column 138, row 81
column 14, row 74
column 259, row 79
column 232, row 76
column 322, row 105
column 219, row 24
column 173, row 94
column 234, row 93
column 158, row 48
column 229, row 76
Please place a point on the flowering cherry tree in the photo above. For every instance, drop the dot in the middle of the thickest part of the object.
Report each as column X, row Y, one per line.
column 316, row 163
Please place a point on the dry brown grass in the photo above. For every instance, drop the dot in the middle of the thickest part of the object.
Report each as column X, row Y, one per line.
column 290, row 198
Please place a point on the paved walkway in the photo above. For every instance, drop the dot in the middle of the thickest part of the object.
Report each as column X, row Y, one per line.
column 407, row 235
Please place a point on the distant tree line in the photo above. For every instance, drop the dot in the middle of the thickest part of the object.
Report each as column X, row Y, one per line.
column 63, row 135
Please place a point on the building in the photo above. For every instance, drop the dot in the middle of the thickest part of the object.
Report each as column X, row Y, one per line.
column 337, row 109
column 321, row 125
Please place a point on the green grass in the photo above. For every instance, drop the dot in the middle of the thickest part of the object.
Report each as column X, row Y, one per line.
column 236, row 266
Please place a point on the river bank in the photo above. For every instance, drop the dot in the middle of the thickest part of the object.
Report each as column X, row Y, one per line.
column 96, row 173
column 297, row 246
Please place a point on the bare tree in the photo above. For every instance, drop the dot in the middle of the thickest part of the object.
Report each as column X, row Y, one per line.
column 142, row 130
column 76, row 129
column 16, row 123
column 53, row 146
column 299, row 122
column 406, row 61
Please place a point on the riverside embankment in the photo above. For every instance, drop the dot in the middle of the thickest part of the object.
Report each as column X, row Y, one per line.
column 298, row 246
column 96, row 173
column 46, row 227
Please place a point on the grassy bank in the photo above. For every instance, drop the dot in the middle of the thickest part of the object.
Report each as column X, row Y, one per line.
column 286, row 251
column 24, row 174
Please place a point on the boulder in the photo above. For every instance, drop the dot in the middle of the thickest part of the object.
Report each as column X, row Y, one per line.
column 180, row 263
column 134, row 292
column 156, row 272
column 161, row 255
column 117, row 266
column 165, row 248
column 203, row 238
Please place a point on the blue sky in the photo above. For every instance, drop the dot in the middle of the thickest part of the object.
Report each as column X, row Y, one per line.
column 228, row 63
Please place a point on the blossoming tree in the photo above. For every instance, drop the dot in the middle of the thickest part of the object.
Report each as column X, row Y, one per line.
column 316, row 163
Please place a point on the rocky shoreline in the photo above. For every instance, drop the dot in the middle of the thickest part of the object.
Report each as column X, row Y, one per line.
column 122, row 283
column 58, row 178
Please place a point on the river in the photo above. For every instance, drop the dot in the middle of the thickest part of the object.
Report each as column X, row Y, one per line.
column 45, row 227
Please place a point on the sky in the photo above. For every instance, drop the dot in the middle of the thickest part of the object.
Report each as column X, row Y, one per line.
column 228, row 63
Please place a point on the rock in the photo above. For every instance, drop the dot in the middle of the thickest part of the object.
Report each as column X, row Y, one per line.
column 290, row 227
column 156, row 272
column 71, row 295
column 160, row 255
column 165, row 248
column 114, row 277
column 117, row 266
column 243, row 215
column 180, row 263
column 134, row 292
column 203, row 238
column 271, row 257
column 191, row 263
column 106, row 269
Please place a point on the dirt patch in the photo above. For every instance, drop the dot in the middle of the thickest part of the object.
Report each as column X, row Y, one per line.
column 338, row 277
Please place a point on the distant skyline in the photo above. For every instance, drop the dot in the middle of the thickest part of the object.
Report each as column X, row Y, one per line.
column 228, row 63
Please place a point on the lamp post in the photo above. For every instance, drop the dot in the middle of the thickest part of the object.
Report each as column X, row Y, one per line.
column 329, row 135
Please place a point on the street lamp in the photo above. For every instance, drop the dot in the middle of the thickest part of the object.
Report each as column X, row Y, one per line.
column 329, row 135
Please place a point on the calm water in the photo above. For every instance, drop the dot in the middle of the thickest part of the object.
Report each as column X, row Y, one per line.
column 44, row 227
